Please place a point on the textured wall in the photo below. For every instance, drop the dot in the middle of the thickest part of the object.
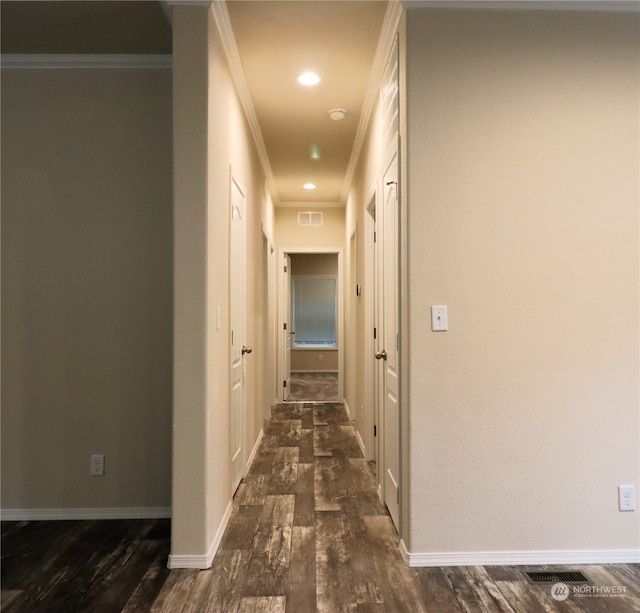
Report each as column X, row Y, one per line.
column 212, row 140
column 86, row 288
column 523, row 171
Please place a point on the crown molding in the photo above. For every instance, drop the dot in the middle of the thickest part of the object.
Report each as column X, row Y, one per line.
column 607, row 6
column 310, row 206
column 172, row 3
column 69, row 61
column 167, row 6
column 385, row 43
column 227, row 38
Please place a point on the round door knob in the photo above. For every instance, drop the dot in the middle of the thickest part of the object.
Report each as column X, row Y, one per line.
column 381, row 355
column 246, row 350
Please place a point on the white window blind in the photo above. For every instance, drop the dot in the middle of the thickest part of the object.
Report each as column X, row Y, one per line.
column 314, row 311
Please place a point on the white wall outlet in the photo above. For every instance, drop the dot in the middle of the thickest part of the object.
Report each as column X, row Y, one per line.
column 97, row 465
column 320, row 357
column 627, row 497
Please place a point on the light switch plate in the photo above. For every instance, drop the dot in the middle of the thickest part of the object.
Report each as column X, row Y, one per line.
column 439, row 319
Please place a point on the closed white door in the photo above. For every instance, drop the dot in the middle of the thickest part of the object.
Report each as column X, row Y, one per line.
column 237, row 317
column 388, row 354
column 287, row 332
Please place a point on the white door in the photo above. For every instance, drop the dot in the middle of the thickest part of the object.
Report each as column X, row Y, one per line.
column 237, row 319
column 287, row 332
column 389, row 342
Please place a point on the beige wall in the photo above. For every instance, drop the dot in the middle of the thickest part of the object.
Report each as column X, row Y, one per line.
column 309, row 360
column 309, row 264
column 358, row 363
column 86, row 288
column 289, row 234
column 212, row 141
column 523, row 170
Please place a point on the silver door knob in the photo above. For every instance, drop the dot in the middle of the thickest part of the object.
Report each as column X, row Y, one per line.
column 381, row 355
column 246, row 350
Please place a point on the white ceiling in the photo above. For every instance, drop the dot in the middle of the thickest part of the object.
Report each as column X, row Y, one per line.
column 277, row 41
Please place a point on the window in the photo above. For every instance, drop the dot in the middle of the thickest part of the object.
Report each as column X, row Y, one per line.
column 314, row 311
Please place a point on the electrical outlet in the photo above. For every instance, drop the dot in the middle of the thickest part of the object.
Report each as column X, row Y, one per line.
column 627, row 497
column 320, row 357
column 97, row 465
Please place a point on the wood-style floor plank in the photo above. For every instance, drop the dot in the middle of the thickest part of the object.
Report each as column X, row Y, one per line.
column 228, row 576
column 307, row 534
column 269, row 566
column 399, row 584
column 523, row 596
column 240, row 532
column 363, row 569
column 175, row 591
column 151, row 582
column 325, row 485
column 604, row 602
column 284, row 471
column 438, row 592
column 301, row 583
column 262, row 604
column 334, row 581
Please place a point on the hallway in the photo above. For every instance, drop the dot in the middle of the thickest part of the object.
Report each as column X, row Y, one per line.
column 308, row 531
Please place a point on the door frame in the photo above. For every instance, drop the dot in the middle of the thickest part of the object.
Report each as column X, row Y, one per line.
column 390, row 294
column 237, row 424
column 371, row 395
column 282, row 253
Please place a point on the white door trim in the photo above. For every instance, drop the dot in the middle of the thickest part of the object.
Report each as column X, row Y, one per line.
column 370, row 297
column 284, row 251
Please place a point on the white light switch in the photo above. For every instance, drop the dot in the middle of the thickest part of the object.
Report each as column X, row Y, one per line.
column 439, row 319
column 218, row 318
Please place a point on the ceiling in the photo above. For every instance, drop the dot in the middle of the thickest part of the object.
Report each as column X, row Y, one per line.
column 276, row 41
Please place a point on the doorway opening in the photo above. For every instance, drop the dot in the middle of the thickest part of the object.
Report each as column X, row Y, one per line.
column 311, row 315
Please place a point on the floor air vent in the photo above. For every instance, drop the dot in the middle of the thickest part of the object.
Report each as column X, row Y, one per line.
column 568, row 576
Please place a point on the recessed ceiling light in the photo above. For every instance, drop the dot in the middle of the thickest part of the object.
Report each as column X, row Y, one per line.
column 309, row 186
column 308, row 78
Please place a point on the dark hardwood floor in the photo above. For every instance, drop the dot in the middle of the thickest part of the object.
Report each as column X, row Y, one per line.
column 308, row 534
column 314, row 386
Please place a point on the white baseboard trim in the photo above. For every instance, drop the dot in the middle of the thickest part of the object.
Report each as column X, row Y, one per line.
column 252, row 455
column 202, row 562
column 315, row 370
column 361, row 443
column 519, row 558
column 346, row 408
column 85, row 513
